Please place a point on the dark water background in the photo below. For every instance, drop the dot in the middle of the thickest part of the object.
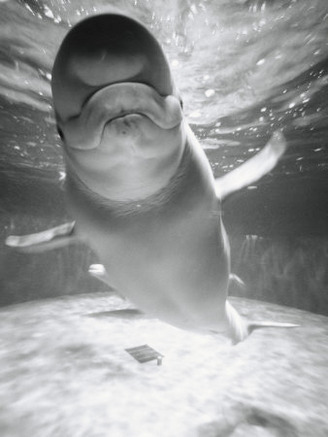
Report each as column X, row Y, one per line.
column 244, row 69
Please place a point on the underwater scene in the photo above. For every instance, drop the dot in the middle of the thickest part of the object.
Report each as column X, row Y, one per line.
column 244, row 69
column 80, row 360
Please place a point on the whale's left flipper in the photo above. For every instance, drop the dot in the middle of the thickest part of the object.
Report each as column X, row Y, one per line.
column 254, row 168
column 53, row 238
column 98, row 271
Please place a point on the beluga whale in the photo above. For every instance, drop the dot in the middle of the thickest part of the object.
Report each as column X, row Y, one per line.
column 138, row 183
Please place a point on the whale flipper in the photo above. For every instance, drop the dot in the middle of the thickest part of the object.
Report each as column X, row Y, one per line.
column 238, row 326
column 99, row 272
column 254, row 168
column 49, row 239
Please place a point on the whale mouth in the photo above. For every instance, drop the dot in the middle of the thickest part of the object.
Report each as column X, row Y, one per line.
column 125, row 115
column 122, row 100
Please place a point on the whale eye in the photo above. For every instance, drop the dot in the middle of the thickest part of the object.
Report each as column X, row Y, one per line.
column 181, row 103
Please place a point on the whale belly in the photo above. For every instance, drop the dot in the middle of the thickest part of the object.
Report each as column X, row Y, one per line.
column 177, row 272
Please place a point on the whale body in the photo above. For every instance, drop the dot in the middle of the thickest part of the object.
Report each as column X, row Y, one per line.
column 138, row 183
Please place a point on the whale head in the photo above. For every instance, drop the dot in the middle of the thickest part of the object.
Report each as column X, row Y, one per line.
column 117, row 109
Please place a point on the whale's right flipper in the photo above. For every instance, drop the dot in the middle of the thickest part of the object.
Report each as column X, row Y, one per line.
column 253, row 169
column 53, row 238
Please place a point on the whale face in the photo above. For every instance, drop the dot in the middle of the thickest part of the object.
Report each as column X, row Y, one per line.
column 117, row 110
column 128, row 137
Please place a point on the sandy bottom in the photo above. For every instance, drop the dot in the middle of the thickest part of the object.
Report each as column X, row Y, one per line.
column 64, row 372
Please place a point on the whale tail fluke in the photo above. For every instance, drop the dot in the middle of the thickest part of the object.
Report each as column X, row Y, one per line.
column 252, row 326
column 235, row 279
column 240, row 329
column 236, row 283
